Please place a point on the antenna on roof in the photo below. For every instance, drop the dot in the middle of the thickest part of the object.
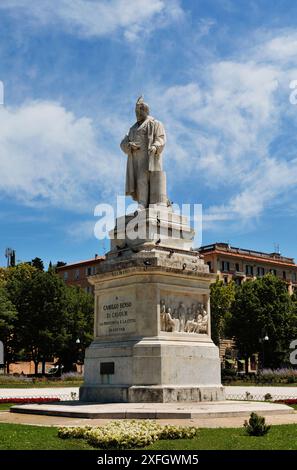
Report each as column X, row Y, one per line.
column 10, row 255
column 276, row 248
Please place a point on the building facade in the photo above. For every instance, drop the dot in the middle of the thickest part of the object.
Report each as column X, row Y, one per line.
column 237, row 264
column 76, row 274
column 231, row 263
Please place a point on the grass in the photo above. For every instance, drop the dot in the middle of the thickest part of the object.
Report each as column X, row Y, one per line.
column 23, row 437
column 6, row 406
column 293, row 406
column 279, row 438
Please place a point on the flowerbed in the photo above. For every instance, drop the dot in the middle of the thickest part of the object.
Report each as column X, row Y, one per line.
column 127, row 434
column 287, row 401
column 29, row 400
column 263, row 377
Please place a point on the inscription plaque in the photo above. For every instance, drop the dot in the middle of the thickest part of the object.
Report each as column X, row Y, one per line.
column 116, row 315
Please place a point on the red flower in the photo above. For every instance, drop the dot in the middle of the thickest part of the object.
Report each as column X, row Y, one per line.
column 30, row 400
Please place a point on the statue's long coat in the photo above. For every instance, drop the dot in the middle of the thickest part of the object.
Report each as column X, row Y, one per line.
column 150, row 132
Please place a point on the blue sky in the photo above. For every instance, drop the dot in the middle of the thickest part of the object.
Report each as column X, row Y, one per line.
column 217, row 73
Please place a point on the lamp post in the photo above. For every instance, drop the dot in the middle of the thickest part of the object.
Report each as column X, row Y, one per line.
column 78, row 354
column 263, row 340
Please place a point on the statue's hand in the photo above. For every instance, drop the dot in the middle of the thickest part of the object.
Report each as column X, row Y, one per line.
column 153, row 150
column 134, row 146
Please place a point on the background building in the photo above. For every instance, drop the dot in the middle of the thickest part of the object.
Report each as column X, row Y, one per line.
column 76, row 274
column 238, row 264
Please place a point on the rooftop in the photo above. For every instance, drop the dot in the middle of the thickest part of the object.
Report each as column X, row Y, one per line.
column 94, row 260
column 226, row 248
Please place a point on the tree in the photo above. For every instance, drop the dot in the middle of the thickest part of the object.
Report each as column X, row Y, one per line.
column 79, row 319
column 51, row 316
column 39, row 298
column 42, row 324
column 8, row 317
column 221, row 298
column 60, row 264
column 263, row 307
column 37, row 263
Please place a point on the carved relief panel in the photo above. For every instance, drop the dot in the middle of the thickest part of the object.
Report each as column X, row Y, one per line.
column 182, row 314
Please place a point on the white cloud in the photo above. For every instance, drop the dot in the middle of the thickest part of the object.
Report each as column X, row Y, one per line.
column 280, row 48
column 49, row 156
column 222, row 127
column 93, row 18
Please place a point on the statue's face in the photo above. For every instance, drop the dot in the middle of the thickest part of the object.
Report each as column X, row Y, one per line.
column 141, row 113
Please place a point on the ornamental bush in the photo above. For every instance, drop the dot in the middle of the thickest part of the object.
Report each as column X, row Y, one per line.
column 256, row 425
column 270, row 376
column 127, row 434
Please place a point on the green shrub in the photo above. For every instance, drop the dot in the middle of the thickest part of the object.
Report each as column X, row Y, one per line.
column 256, row 425
column 267, row 397
column 127, row 434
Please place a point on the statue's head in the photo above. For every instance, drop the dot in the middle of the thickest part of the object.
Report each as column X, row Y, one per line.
column 142, row 109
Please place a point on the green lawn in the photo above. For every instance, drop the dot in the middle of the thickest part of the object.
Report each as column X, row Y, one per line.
column 279, row 438
column 19, row 437
column 5, row 406
column 22, row 437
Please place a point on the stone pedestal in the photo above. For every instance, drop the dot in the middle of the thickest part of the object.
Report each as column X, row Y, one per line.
column 152, row 322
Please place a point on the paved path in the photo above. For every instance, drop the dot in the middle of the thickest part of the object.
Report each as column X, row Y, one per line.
column 230, row 422
column 235, row 393
column 214, row 409
column 64, row 393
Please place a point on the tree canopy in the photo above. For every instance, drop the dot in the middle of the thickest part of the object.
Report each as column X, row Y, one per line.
column 263, row 308
column 43, row 316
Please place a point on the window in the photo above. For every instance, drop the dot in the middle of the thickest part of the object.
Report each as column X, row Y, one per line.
column 237, row 267
column 294, row 277
column 273, row 271
column 284, row 275
column 225, row 266
column 238, row 281
column 261, row 271
column 88, row 271
column 65, row 275
column 77, row 274
column 209, row 264
column 249, row 270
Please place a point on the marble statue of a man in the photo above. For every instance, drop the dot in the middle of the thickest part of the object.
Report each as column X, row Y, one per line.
column 144, row 144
